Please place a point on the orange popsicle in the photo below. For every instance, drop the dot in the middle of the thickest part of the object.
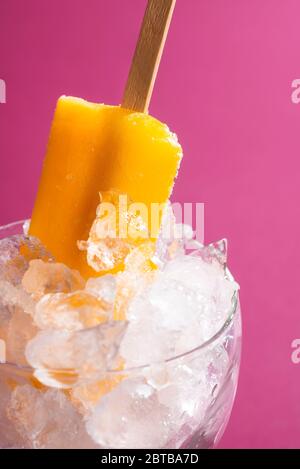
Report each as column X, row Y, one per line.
column 92, row 148
column 95, row 148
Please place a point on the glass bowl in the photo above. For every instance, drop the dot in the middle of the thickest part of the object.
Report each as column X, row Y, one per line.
column 183, row 402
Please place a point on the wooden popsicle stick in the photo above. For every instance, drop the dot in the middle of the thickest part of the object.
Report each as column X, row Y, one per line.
column 147, row 55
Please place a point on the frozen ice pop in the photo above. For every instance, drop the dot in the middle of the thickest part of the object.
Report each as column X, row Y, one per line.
column 95, row 148
column 92, row 148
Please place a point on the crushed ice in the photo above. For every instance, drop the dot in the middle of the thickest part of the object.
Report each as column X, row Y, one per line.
column 165, row 301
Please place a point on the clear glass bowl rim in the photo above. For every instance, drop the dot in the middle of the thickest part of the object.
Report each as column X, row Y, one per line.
column 225, row 326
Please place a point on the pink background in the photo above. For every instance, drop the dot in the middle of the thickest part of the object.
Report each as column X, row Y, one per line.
column 224, row 86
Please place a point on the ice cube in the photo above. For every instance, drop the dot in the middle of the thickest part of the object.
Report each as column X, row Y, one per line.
column 47, row 419
column 14, row 296
column 15, row 254
column 50, row 277
column 5, row 315
column 213, row 252
column 138, row 274
column 185, row 305
column 62, row 358
column 20, row 330
column 115, row 231
column 207, row 279
column 145, row 341
column 130, row 417
column 9, row 437
column 71, row 311
column 168, row 244
column 86, row 396
column 15, row 304
column 163, row 322
column 140, row 259
column 103, row 287
column 174, row 238
column 188, row 386
column 182, row 391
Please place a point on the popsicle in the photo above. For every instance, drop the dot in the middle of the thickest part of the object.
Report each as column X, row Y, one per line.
column 95, row 147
